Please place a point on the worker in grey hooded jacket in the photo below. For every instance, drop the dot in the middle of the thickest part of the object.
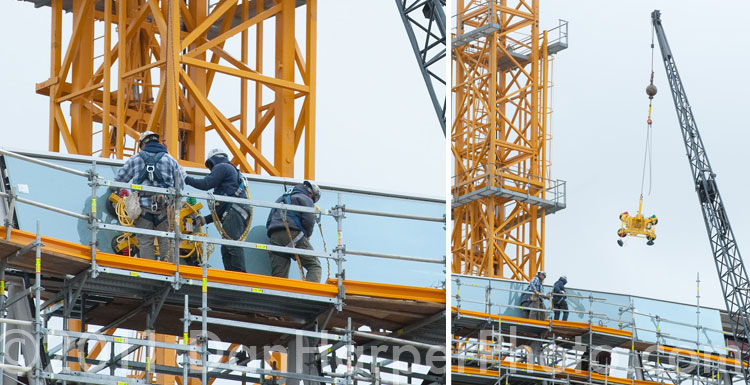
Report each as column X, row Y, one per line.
column 283, row 223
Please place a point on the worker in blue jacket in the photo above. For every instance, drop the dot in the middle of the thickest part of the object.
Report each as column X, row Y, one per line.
column 226, row 180
column 282, row 224
column 560, row 299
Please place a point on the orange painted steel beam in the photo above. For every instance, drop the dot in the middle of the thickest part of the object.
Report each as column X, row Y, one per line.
column 328, row 289
column 547, row 369
column 146, row 90
column 383, row 290
column 579, row 325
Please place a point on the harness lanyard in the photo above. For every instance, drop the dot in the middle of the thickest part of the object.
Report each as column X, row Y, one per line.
column 282, row 213
column 325, row 249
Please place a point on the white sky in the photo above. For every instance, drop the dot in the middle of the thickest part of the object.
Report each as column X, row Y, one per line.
column 375, row 125
column 599, row 135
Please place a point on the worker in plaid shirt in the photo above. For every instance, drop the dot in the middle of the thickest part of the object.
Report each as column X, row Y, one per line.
column 152, row 166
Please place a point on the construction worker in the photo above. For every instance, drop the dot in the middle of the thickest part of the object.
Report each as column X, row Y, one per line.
column 532, row 298
column 560, row 299
column 293, row 229
column 226, row 180
column 152, row 166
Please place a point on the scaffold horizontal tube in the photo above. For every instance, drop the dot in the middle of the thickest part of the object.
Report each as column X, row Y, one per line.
column 268, row 328
column 43, row 163
column 392, row 256
column 46, row 207
column 393, row 215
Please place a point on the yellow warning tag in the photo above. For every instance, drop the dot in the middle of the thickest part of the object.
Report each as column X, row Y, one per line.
column 340, row 238
column 185, row 338
column 2, row 287
column 262, row 247
column 122, row 383
column 38, row 265
column 119, row 339
column 135, row 186
column 93, row 205
column 148, row 364
column 399, row 331
column 256, row 290
column 205, row 285
column 135, row 274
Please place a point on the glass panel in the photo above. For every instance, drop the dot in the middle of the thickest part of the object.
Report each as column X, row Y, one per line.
column 360, row 232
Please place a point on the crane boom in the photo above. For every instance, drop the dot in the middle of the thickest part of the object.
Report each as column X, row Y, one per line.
column 732, row 273
column 431, row 52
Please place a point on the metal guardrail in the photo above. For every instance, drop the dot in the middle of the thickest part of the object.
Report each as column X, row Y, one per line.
column 491, row 175
column 477, row 349
column 338, row 213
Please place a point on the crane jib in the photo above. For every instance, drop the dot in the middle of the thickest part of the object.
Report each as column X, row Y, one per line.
column 732, row 273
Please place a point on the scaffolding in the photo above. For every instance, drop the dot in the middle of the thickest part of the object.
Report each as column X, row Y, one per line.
column 195, row 323
column 496, row 342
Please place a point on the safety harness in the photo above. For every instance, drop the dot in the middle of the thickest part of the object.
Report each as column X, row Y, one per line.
column 150, row 171
column 153, row 174
column 247, row 215
column 283, row 213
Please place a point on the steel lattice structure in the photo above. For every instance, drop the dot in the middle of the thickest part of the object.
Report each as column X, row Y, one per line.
column 175, row 52
column 429, row 24
column 501, row 193
column 732, row 273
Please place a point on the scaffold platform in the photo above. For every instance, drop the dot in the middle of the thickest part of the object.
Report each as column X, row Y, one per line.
column 113, row 319
column 608, row 341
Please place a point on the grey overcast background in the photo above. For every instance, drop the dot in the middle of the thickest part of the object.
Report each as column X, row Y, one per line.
column 375, row 125
column 599, row 135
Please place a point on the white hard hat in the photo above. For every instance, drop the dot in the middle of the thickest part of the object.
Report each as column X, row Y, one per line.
column 146, row 135
column 214, row 152
column 314, row 190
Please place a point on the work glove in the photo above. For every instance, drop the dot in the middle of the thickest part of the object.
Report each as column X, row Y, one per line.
column 190, row 181
column 200, row 221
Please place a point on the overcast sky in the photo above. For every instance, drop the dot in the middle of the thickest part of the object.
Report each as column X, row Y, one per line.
column 599, row 134
column 375, row 125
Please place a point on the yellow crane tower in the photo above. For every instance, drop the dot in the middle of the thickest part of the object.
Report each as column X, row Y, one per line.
column 500, row 138
column 155, row 64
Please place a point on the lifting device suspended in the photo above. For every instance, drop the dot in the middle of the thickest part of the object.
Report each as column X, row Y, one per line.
column 638, row 225
column 732, row 273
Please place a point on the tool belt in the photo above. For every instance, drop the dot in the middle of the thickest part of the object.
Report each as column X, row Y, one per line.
column 159, row 202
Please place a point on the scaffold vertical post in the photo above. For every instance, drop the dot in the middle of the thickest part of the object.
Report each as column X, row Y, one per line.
column 698, row 312
column 204, row 316
column 93, row 182
column 349, row 351
column 9, row 204
column 340, row 250
column 177, row 234
column 591, row 337
column 3, row 314
column 37, row 305
column 185, row 340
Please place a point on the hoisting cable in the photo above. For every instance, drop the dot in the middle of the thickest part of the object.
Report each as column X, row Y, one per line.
column 647, row 158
